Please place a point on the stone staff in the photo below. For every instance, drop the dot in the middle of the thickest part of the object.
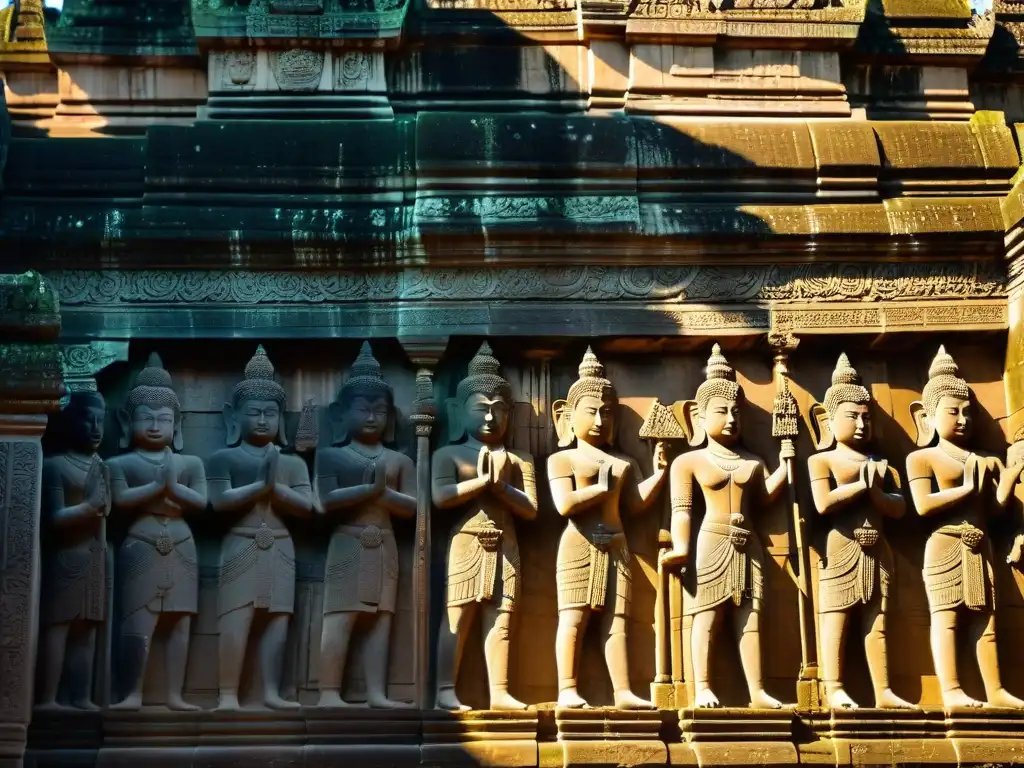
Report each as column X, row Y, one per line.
column 785, row 427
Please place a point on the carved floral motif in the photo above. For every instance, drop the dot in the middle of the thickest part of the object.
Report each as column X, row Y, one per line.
column 298, row 69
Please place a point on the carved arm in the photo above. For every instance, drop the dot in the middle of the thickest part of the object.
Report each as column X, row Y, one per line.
column 568, row 501
column 190, row 495
column 403, row 501
column 521, row 502
column 62, row 516
column 128, row 498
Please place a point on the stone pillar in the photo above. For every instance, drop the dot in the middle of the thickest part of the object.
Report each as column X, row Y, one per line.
column 30, row 388
column 425, row 355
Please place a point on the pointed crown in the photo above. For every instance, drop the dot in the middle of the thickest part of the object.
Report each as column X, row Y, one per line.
column 153, row 387
column 943, row 380
column 365, row 377
column 720, row 381
column 591, row 381
column 259, row 382
column 484, row 377
column 846, row 387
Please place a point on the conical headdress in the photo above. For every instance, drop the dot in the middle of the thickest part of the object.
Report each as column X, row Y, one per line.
column 153, row 387
column 259, row 382
column 943, row 380
column 484, row 377
column 591, row 381
column 846, row 387
column 365, row 377
column 720, row 380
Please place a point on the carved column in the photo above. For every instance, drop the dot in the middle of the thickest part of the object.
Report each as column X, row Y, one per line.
column 30, row 388
column 425, row 354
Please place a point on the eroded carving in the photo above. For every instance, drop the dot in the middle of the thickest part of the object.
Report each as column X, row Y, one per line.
column 491, row 485
column 728, row 562
column 257, row 484
column 856, row 491
column 158, row 569
column 297, row 69
column 591, row 484
column 364, row 483
column 950, row 482
column 76, row 502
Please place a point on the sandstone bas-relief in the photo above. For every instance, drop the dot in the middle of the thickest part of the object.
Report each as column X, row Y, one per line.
column 253, row 484
column 361, row 484
column 490, row 485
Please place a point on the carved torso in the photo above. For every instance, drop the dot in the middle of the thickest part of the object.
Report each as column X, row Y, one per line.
column 74, row 577
column 258, row 556
column 857, row 566
column 483, row 551
column 958, row 555
column 362, row 558
column 158, row 566
column 586, row 562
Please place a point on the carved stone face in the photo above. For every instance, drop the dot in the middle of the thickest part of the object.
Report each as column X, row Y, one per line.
column 85, row 416
column 259, row 421
column 485, row 419
column 851, row 423
column 952, row 419
column 722, row 420
column 367, row 418
column 593, row 420
column 152, row 428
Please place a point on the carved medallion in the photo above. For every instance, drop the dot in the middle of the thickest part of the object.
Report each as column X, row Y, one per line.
column 353, row 71
column 297, row 70
column 239, row 67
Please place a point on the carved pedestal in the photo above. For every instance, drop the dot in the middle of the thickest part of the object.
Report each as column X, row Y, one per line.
column 481, row 737
column 986, row 736
column 73, row 737
column 362, row 737
column 722, row 736
column 596, row 737
column 887, row 737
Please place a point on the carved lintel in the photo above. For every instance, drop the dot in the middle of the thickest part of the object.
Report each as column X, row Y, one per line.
column 81, row 362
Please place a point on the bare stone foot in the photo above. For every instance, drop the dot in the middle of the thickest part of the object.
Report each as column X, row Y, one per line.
column 570, row 699
column 629, row 700
column 273, row 700
column 706, row 699
column 446, row 699
column 228, row 703
column 132, row 703
column 762, row 700
column 505, row 701
column 86, row 705
column 51, row 707
column 840, row 699
column 178, row 704
column 382, row 702
column 1003, row 698
column 889, row 700
column 956, row 697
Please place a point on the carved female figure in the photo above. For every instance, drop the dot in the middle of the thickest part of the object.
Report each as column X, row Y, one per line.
column 590, row 484
column 76, row 501
column 956, row 485
column 365, row 483
column 728, row 562
column 856, row 491
column 490, row 485
column 158, row 569
column 255, row 483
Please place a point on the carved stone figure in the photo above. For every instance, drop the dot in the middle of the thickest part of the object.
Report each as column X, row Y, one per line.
column 856, row 491
column 590, row 484
column 255, row 483
column 728, row 560
column 490, row 485
column 76, row 502
column 157, row 569
column 958, row 486
column 364, row 483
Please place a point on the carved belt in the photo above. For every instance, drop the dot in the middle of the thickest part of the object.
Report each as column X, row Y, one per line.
column 264, row 535
column 866, row 537
column 489, row 535
column 371, row 559
column 163, row 543
column 737, row 536
column 970, row 535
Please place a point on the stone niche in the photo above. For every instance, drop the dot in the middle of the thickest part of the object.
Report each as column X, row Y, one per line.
column 641, row 371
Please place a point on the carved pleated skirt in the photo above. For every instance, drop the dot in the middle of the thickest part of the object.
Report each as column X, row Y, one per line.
column 726, row 569
column 481, row 572
column 584, row 573
column 158, row 568
column 956, row 574
column 362, row 570
column 851, row 574
column 257, row 569
column 74, row 585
